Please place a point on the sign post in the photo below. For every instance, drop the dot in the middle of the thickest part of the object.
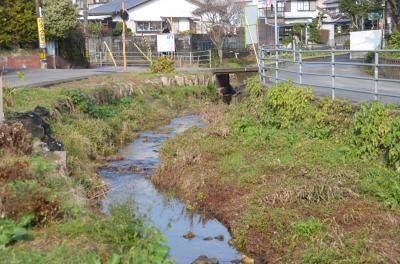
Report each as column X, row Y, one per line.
column 42, row 37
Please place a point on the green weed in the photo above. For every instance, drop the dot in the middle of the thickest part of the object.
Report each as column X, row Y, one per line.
column 307, row 228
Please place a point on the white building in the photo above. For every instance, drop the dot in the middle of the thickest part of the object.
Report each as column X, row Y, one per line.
column 148, row 17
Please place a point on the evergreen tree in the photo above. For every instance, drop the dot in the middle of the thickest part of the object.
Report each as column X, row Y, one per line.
column 18, row 24
column 60, row 18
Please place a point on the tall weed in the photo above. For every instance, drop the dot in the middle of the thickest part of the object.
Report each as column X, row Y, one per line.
column 288, row 104
column 370, row 126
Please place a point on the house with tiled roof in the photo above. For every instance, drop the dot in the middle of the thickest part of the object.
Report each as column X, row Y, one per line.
column 151, row 17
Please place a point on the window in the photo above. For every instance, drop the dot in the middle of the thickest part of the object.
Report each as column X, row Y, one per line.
column 306, row 5
column 148, row 26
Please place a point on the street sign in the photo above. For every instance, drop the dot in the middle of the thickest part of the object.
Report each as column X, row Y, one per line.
column 124, row 15
column 42, row 38
column 166, row 43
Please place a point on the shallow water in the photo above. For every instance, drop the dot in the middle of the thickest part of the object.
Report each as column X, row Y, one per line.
column 159, row 209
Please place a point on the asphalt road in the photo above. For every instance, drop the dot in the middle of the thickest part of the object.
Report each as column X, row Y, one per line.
column 359, row 86
column 42, row 78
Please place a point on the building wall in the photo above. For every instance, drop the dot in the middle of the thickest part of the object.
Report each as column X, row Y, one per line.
column 156, row 9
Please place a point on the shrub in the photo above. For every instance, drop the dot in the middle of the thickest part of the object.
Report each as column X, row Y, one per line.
column 162, row 65
column 10, row 231
column 288, row 104
column 254, row 87
column 27, row 198
column 211, row 92
column 14, row 138
column 331, row 116
column 14, row 169
column 87, row 105
column 394, row 41
column 370, row 125
column 392, row 145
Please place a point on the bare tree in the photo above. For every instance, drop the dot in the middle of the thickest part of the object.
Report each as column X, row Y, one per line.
column 220, row 18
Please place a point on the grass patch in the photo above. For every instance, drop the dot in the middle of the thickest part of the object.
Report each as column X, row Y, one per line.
column 301, row 188
column 92, row 118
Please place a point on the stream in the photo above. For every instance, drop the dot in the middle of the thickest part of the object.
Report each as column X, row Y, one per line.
column 167, row 214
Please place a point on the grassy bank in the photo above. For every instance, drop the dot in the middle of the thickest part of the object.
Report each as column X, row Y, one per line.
column 297, row 180
column 48, row 217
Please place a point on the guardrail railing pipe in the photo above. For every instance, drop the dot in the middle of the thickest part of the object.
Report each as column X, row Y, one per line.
column 300, row 67
column 376, row 75
column 333, row 73
column 276, row 65
column 262, row 66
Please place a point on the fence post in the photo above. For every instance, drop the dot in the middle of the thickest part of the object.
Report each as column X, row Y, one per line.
column 1, row 99
column 300, row 67
column 101, row 58
column 333, row 73
column 190, row 58
column 276, row 65
column 262, row 66
column 376, row 75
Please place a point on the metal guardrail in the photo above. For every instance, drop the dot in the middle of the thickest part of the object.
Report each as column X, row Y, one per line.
column 181, row 59
column 275, row 63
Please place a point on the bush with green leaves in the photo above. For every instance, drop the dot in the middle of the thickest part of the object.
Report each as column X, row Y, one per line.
column 394, row 41
column 288, row 104
column 11, row 232
column 87, row 105
column 163, row 65
column 392, row 145
column 370, row 126
column 254, row 87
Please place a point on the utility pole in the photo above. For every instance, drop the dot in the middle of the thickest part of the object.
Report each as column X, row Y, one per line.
column 123, row 33
column 41, row 34
column 383, row 23
column 85, row 28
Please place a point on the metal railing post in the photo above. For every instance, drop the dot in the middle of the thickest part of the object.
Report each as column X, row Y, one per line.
column 300, row 67
column 210, row 57
column 190, row 58
column 263, row 67
column 376, row 75
column 333, row 75
column 276, row 64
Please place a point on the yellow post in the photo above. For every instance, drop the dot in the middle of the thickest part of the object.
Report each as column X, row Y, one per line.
column 144, row 55
column 252, row 41
column 112, row 57
column 123, row 35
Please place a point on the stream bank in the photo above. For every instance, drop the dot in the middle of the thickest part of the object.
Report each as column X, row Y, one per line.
column 189, row 234
column 92, row 118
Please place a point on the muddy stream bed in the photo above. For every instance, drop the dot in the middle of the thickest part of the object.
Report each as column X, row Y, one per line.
column 129, row 180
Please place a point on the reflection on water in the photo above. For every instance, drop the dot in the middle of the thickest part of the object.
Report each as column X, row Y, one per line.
column 142, row 155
